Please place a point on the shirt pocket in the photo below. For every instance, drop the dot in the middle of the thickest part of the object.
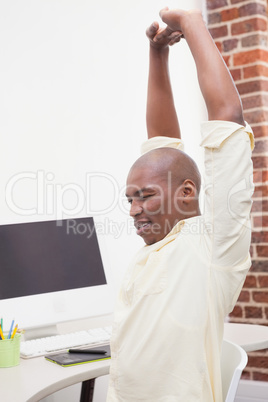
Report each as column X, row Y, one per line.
column 153, row 278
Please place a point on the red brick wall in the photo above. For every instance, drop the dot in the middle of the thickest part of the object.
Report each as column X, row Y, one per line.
column 239, row 27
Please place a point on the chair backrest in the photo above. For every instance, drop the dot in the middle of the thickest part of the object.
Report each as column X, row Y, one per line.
column 233, row 361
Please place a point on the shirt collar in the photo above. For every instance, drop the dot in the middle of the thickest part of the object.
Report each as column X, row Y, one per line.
column 167, row 239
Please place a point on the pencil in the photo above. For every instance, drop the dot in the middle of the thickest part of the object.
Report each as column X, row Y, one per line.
column 1, row 333
column 10, row 331
column 14, row 332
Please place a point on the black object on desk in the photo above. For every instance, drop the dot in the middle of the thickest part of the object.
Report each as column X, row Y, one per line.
column 90, row 351
column 71, row 359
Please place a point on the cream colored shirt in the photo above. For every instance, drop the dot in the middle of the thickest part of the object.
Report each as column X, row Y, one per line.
column 168, row 323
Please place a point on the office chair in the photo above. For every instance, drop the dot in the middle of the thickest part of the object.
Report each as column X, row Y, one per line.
column 233, row 360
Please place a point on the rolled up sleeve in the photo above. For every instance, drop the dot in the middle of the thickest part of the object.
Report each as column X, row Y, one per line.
column 228, row 187
column 161, row 142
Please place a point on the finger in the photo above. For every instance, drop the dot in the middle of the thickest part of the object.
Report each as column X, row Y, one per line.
column 163, row 33
column 174, row 40
column 152, row 30
column 162, row 11
column 176, row 34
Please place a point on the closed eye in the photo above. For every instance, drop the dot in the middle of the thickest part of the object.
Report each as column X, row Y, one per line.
column 143, row 197
column 140, row 195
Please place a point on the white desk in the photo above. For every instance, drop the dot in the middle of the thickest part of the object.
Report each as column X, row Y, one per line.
column 37, row 378
column 34, row 379
column 250, row 337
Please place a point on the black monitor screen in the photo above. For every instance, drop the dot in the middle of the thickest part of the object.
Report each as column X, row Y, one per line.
column 49, row 256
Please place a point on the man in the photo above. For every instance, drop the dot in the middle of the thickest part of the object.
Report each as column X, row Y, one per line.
column 169, row 318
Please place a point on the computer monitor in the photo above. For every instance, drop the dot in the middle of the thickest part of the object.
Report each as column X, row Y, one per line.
column 52, row 272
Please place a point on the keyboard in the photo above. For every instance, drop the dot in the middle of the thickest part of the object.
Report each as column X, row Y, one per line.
column 61, row 343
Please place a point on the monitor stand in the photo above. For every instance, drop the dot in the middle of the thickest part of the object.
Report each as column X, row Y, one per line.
column 40, row 332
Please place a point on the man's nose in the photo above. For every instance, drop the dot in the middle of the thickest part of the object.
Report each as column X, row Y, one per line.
column 135, row 209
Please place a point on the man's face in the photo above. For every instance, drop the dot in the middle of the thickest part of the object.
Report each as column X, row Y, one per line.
column 155, row 203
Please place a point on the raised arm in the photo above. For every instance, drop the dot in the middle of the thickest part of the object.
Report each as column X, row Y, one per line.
column 161, row 117
column 216, row 84
column 227, row 142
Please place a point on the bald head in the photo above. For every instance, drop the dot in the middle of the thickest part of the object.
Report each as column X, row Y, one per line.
column 162, row 189
column 164, row 161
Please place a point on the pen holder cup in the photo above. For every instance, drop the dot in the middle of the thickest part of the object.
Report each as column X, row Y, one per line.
column 10, row 351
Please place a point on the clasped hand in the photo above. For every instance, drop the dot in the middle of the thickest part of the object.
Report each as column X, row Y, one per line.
column 174, row 31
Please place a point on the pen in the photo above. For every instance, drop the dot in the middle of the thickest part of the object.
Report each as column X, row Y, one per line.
column 91, row 351
column 1, row 333
column 10, row 331
column 14, row 332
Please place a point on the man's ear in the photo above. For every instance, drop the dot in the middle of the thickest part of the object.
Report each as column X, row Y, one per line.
column 188, row 191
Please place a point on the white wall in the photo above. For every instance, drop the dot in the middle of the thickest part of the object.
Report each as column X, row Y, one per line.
column 72, row 97
column 73, row 91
